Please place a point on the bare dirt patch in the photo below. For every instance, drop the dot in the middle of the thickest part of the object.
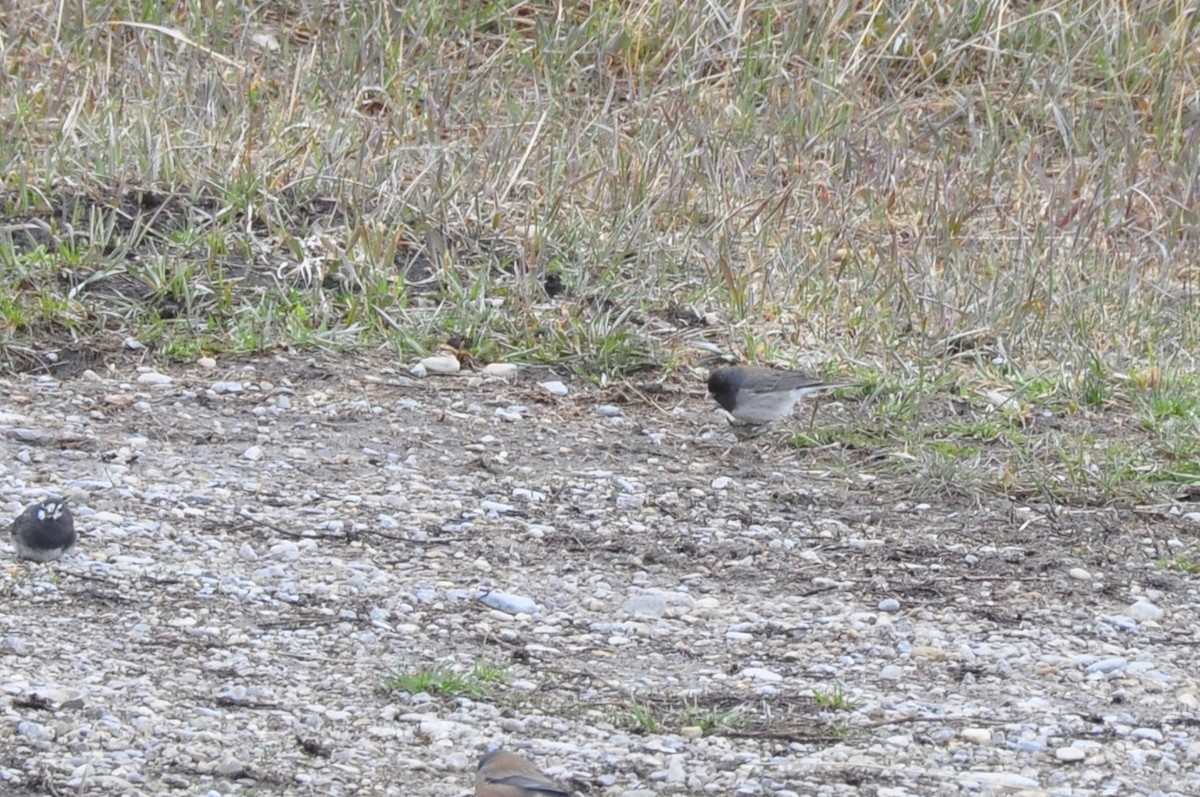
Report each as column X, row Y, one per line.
column 258, row 600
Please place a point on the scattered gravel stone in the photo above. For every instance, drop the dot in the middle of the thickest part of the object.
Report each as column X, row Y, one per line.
column 645, row 606
column 440, row 364
column 761, row 674
column 510, row 414
column 508, row 603
column 980, row 736
column 1108, row 665
column 153, row 378
column 225, row 626
column 554, row 388
column 1151, row 734
column 33, row 730
column 998, row 780
column 609, row 410
column 1079, row 574
column 1143, row 610
column 500, row 370
column 253, row 453
column 222, row 388
column 285, row 550
column 34, row 437
column 13, row 645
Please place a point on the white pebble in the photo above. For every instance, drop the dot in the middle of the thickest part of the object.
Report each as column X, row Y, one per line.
column 555, row 388
column 761, row 674
column 1152, row 734
column 14, row 645
column 496, row 508
column 1144, row 610
column 1106, row 665
column 645, row 606
column 500, row 370
column 227, row 387
column 286, row 550
column 978, row 736
column 440, row 364
column 508, row 603
column 998, row 780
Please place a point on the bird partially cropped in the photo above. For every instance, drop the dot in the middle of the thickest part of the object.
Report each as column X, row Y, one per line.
column 44, row 531
column 753, row 395
column 505, row 774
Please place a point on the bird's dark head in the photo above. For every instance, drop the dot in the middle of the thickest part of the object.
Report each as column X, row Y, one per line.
column 53, row 509
column 488, row 756
column 724, row 384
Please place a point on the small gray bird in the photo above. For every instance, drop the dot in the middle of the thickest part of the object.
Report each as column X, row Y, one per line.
column 44, row 532
column 505, row 774
column 756, row 396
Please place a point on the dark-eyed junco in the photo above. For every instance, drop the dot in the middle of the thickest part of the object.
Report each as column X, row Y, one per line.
column 505, row 774
column 44, row 531
column 756, row 396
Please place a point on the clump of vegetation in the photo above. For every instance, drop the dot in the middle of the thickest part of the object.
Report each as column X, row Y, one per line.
column 964, row 206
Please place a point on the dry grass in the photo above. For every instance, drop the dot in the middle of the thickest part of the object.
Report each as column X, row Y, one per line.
column 990, row 194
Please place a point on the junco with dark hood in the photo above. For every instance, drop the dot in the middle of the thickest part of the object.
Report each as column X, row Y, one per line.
column 44, row 531
column 754, row 396
column 505, row 774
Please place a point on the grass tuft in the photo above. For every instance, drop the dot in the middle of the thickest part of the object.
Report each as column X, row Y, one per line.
column 836, row 699
column 445, row 681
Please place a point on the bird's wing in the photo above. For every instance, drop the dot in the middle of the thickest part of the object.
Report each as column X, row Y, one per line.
column 531, row 783
column 778, row 381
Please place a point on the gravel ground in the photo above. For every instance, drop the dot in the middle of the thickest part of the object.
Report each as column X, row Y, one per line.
column 261, row 545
